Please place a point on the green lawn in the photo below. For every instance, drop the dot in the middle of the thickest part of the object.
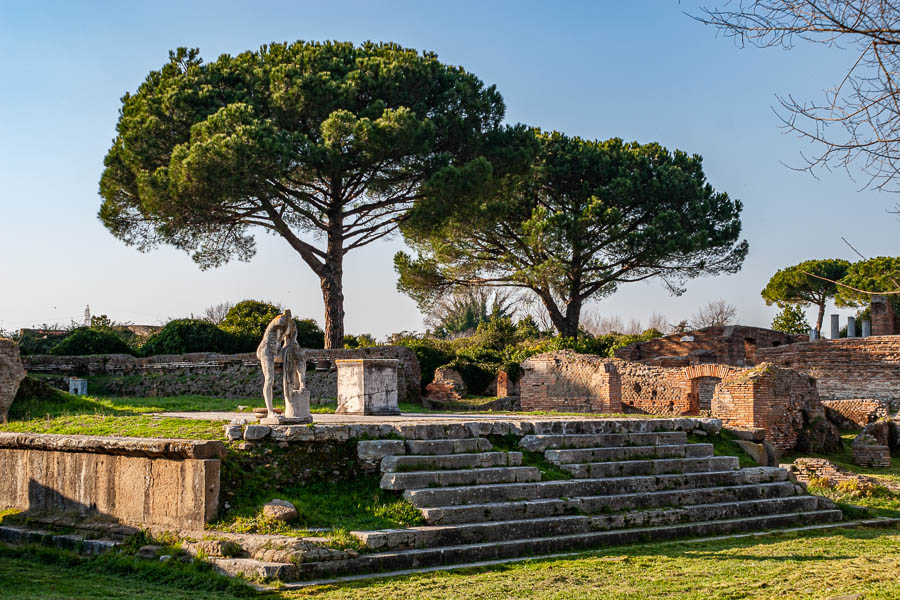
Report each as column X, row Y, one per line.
column 815, row 565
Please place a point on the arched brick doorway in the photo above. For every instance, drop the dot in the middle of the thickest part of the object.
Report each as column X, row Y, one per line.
column 700, row 385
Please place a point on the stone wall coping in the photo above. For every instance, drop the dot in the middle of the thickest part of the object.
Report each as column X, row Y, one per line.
column 386, row 362
column 116, row 446
column 461, row 428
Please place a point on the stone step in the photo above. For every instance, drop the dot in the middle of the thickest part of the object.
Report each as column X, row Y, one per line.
column 548, row 507
column 449, row 446
column 433, row 462
column 447, row 555
column 474, row 494
column 255, row 570
column 494, row 531
column 589, row 455
column 651, row 466
column 539, row 443
column 463, row 477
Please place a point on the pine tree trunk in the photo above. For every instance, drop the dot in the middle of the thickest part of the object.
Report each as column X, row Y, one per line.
column 333, row 295
column 819, row 319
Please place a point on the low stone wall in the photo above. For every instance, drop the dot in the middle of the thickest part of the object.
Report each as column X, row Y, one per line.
column 846, row 368
column 207, row 374
column 854, row 412
column 135, row 481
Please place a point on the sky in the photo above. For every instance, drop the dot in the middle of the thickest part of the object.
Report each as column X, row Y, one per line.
column 640, row 70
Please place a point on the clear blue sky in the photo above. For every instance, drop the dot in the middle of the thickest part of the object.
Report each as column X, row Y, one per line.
column 641, row 71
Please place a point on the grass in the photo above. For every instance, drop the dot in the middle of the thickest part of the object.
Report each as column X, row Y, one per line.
column 803, row 566
column 510, row 443
column 347, row 504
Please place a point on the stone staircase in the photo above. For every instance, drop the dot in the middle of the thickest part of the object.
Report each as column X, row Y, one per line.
column 481, row 503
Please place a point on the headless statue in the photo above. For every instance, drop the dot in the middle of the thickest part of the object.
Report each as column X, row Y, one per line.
column 272, row 345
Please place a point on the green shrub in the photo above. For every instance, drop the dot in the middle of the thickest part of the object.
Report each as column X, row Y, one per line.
column 430, row 353
column 363, row 340
column 309, row 335
column 191, row 335
column 250, row 318
column 477, row 376
column 38, row 342
column 86, row 341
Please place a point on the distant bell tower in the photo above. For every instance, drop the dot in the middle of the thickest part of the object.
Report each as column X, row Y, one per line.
column 87, row 315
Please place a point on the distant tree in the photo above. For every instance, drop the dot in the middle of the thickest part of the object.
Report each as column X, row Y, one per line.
column 309, row 334
column 461, row 312
column 585, row 218
column 216, row 313
column 85, row 341
column 190, row 335
column 857, row 121
column 658, row 322
column 250, row 318
column 328, row 142
column 867, row 277
column 717, row 313
column 791, row 320
column 798, row 285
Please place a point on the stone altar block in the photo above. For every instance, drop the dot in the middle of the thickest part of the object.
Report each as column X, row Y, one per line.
column 367, row 386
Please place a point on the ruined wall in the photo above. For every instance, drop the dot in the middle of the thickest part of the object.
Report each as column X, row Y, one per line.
column 734, row 345
column 783, row 402
column 567, row 381
column 142, row 482
column 847, row 368
column 854, row 412
column 207, row 374
column 885, row 320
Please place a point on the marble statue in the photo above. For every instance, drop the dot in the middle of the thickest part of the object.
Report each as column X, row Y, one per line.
column 279, row 343
column 272, row 346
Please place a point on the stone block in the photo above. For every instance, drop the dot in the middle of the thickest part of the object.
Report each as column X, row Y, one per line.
column 756, row 451
column 367, row 386
column 256, row 432
column 375, row 450
column 234, row 432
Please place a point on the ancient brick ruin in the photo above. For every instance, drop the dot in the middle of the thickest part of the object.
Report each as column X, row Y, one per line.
column 781, row 401
column 846, row 368
column 732, row 345
column 885, row 320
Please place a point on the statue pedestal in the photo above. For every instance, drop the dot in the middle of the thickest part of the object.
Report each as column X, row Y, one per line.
column 296, row 408
column 367, row 386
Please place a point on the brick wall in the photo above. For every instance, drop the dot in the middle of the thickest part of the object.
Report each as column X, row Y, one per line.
column 847, row 368
column 783, row 402
column 567, row 381
column 732, row 345
column 854, row 412
column 885, row 320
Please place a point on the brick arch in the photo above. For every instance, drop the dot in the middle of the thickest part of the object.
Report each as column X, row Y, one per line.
column 706, row 370
column 692, row 384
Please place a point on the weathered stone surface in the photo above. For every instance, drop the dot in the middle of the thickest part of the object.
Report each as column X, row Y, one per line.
column 756, row 451
column 256, row 432
column 374, row 450
column 137, row 481
column 118, row 446
column 754, row 434
column 367, row 386
column 280, row 510
column 11, row 375
column 234, row 432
